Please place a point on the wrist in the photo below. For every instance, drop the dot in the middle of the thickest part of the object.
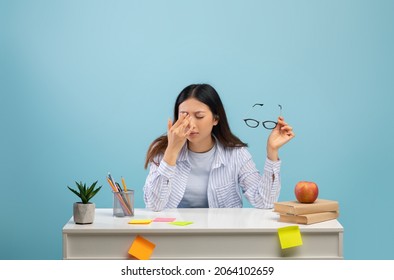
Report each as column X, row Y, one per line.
column 170, row 157
column 272, row 154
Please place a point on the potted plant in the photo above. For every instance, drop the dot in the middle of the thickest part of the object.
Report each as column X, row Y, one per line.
column 83, row 212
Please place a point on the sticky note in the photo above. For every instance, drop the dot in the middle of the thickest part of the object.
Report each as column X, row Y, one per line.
column 181, row 223
column 141, row 248
column 164, row 220
column 289, row 237
column 140, row 222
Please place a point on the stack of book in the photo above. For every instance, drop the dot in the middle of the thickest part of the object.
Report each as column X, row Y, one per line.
column 307, row 213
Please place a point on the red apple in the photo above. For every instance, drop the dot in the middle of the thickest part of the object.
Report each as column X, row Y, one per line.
column 306, row 192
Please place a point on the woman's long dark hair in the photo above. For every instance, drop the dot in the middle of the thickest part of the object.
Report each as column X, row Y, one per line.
column 207, row 95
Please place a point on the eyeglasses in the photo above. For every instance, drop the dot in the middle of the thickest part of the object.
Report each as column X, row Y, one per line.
column 252, row 123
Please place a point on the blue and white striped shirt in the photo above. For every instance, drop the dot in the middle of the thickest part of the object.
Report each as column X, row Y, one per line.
column 233, row 173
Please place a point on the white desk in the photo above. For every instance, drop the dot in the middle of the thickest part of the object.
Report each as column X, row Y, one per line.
column 235, row 233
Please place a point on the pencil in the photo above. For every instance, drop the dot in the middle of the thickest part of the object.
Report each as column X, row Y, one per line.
column 128, row 197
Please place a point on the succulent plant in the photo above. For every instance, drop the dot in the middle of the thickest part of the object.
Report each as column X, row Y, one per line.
column 85, row 193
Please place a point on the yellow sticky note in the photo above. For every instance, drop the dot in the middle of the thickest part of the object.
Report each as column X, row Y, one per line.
column 140, row 222
column 289, row 237
column 141, row 248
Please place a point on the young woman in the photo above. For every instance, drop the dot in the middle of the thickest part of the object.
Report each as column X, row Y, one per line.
column 201, row 163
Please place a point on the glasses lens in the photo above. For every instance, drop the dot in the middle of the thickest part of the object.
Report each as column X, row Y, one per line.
column 251, row 123
column 269, row 124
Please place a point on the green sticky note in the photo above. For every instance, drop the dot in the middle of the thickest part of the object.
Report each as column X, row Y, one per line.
column 181, row 223
column 289, row 237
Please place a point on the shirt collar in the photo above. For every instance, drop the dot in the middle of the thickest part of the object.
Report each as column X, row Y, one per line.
column 219, row 155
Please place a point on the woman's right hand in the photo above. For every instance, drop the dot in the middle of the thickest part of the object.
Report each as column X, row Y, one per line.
column 177, row 134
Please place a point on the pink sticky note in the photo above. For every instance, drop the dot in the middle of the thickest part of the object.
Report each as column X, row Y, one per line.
column 164, row 220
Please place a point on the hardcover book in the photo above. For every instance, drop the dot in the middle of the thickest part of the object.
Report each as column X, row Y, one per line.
column 297, row 208
column 308, row 219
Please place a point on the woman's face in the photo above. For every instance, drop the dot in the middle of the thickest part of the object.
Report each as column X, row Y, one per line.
column 203, row 121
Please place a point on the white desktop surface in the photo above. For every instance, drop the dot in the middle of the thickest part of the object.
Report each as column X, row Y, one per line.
column 216, row 233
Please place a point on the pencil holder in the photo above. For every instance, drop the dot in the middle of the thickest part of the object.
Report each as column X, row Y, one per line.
column 123, row 203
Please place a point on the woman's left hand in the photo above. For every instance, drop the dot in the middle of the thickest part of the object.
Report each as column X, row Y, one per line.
column 279, row 136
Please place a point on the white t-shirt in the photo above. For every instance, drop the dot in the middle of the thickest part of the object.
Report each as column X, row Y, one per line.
column 196, row 189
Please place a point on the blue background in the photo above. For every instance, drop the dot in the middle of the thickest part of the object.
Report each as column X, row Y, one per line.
column 87, row 85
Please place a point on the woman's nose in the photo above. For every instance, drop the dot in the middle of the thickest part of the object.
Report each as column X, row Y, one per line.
column 192, row 121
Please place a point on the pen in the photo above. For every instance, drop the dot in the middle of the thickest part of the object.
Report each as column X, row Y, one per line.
column 118, row 187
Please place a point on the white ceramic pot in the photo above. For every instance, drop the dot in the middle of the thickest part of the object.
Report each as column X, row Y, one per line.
column 84, row 213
